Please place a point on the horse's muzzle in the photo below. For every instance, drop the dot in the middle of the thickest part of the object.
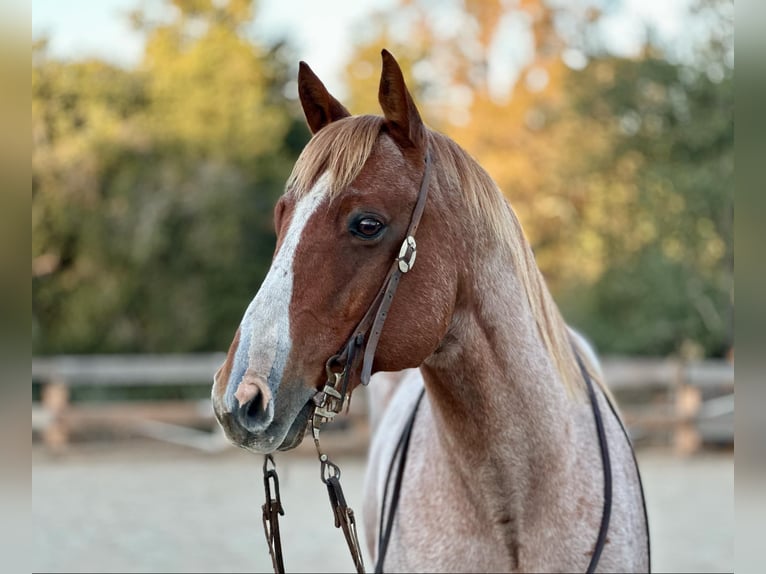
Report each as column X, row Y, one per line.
column 244, row 428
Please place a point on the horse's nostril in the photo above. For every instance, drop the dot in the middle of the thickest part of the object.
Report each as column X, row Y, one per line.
column 254, row 414
column 254, row 397
column 254, row 407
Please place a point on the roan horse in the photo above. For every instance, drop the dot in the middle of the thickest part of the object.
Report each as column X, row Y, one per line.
column 504, row 469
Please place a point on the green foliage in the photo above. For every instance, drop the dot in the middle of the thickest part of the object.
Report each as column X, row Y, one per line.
column 153, row 188
column 667, row 284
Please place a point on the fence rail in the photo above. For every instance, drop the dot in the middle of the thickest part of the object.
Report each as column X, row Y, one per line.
column 129, row 369
column 689, row 402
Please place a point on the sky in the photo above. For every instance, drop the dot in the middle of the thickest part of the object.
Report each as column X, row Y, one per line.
column 78, row 28
column 320, row 30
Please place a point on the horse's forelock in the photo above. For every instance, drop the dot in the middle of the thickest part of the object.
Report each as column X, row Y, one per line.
column 340, row 149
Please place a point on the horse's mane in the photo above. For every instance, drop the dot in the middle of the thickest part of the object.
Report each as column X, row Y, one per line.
column 342, row 148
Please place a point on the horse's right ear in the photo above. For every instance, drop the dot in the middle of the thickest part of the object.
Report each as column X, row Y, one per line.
column 319, row 106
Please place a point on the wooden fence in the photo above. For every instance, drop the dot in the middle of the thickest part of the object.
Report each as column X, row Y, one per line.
column 686, row 404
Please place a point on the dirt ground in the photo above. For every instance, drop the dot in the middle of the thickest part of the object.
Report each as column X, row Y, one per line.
column 155, row 508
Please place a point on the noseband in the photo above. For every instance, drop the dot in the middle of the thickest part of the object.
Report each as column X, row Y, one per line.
column 335, row 395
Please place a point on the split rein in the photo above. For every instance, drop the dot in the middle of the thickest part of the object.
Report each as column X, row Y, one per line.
column 273, row 509
column 335, row 396
column 327, row 403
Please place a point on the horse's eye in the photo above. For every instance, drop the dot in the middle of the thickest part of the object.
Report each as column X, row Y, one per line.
column 367, row 228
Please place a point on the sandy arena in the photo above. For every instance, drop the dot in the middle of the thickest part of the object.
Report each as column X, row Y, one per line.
column 138, row 507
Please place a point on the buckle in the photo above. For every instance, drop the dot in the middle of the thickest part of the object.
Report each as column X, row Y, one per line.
column 328, row 402
column 407, row 254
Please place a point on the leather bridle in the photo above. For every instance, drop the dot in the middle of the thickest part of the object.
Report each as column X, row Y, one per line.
column 369, row 329
column 335, row 396
column 336, row 393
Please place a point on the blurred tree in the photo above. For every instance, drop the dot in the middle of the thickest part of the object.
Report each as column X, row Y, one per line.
column 660, row 200
column 153, row 188
column 621, row 169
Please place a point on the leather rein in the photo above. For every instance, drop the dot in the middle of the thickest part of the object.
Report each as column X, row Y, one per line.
column 336, row 394
column 385, row 524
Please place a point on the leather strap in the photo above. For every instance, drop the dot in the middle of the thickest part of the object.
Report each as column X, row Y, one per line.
column 272, row 510
column 399, row 267
column 345, row 520
column 606, row 463
column 640, row 481
column 340, row 367
column 601, row 540
column 400, row 453
column 402, row 447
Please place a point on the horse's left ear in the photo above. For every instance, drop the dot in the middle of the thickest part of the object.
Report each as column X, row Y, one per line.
column 318, row 104
column 402, row 117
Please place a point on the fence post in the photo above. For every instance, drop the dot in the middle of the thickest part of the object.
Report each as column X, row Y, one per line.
column 688, row 401
column 55, row 400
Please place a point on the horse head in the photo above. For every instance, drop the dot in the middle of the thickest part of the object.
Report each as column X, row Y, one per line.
column 339, row 224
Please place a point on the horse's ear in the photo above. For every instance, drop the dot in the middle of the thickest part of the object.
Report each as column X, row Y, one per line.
column 319, row 106
column 402, row 117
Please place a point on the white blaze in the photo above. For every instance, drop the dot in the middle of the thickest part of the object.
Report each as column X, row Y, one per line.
column 265, row 329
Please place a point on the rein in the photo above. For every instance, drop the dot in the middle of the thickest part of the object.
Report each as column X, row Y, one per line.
column 606, row 463
column 336, row 394
column 384, row 534
column 400, row 453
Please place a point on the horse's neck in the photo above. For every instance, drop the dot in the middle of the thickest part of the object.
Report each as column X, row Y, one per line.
column 493, row 361
column 503, row 415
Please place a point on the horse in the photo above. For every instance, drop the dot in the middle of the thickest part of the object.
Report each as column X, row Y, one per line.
column 505, row 469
